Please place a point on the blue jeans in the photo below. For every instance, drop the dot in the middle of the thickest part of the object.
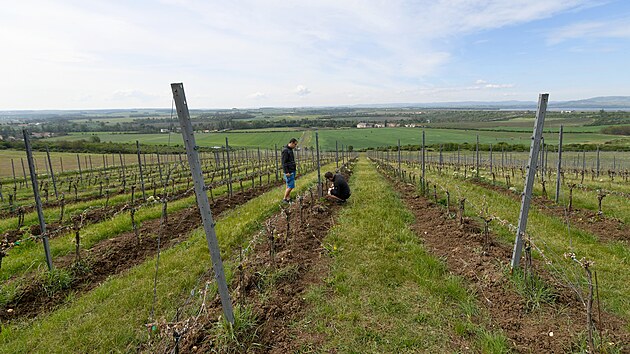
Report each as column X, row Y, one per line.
column 290, row 180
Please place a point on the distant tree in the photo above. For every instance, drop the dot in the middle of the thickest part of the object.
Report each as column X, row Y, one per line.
column 95, row 139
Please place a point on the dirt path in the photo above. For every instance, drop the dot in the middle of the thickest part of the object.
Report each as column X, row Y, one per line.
column 552, row 328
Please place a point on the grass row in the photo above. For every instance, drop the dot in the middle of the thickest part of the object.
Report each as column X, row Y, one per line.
column 553, row 237
column 385, row 293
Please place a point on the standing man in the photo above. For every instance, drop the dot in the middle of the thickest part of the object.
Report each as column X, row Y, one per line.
column 340, row 190
column 289, row 168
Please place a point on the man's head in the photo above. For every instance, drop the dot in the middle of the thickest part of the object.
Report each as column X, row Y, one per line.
column 329, row 176
column 292, row 143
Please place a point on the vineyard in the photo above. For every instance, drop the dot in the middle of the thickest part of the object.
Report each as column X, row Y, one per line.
column 106, row 253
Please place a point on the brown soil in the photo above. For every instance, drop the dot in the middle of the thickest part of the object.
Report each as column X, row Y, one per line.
column 299, row 262
column 549, row 329
column 115, row 255
column 602, row 226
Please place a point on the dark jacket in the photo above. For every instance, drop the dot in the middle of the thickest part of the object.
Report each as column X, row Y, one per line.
column 288, row 160
column 341, row 188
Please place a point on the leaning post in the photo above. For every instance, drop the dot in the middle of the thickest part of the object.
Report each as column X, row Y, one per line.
column 38, row 200
column 529, row 179
column 52, row 173
column 202, row 198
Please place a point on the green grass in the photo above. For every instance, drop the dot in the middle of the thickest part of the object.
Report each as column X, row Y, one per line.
column 612, row 259
column 111, row 318
column 358, row 138
column 385, row 293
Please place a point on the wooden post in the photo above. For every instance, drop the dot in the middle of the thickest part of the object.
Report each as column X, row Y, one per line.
column 529, row 180
column 202, row 197
column 320, row 186
column 38, row 201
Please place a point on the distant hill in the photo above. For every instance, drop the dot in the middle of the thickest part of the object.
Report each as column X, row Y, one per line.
column 605, row 102
column 596, row 102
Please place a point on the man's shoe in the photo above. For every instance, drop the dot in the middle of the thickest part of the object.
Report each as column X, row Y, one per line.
column 285, row 201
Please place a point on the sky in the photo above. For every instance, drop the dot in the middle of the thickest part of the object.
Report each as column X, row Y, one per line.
column 77, row 54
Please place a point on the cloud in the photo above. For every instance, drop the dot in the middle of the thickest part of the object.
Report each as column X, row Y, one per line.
column 132, row 95
column 301, row 90
column 257, row 95
column 591, row 29
column 226, row 50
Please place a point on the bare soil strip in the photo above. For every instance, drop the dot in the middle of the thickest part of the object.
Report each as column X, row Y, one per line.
column 115, row 255
column 602, row 226
column 272, row 283
column 552, row 328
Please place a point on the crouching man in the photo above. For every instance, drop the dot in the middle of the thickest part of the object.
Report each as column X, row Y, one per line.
column 340, row 190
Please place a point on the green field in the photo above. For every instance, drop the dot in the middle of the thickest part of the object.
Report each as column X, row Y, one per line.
column 358, row 138
column 236, row 139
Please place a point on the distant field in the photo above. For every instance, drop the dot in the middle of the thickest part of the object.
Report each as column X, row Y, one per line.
column 363, row 138
column 236, row 139
column 68, row 160
column 358, row 138
column 105, row 120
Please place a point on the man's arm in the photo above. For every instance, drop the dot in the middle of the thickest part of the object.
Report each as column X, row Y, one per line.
column 285, row 161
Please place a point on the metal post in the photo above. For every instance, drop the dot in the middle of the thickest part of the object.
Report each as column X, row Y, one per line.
column 559, row 165
column 337, row 153
column 423, row 164
column 38, row 201
column 477, row 163
column 275, row 149
column 24, row 172
column 399, row 162
column 157, row 152
column 52, row 173
column 491, row 171
column 202, row 197
column 529, row 179
column 320, row 187
column 79, row 163
column 13, row 169
column 144, row 195
column 597, row 160
column 227, row 152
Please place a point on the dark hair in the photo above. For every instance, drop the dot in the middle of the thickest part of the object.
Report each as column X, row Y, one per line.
column 328, row 175
column 293, row 140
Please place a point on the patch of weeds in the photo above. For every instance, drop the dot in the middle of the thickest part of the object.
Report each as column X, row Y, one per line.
column 493, row 342
column 332, row 249
column 602, row 344
column 464, row 328
column 8, row 293
column 286, row 274
column 240, row 337
column 55, row 281
column 80, row 267
column 532, row 288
